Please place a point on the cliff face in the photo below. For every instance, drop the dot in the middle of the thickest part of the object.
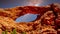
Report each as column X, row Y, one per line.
column 47, row 22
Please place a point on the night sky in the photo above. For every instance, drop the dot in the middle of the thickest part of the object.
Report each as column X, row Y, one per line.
column 13, row 3
column 27, row 17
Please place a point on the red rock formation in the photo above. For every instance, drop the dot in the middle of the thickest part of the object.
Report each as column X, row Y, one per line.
column 47, row 21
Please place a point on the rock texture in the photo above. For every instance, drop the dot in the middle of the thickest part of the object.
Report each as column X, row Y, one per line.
column 47, row 22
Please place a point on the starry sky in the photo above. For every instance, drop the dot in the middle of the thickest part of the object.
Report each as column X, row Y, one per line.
column 27, row 17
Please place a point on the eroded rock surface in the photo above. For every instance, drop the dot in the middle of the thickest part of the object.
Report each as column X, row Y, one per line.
column 47, row 22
